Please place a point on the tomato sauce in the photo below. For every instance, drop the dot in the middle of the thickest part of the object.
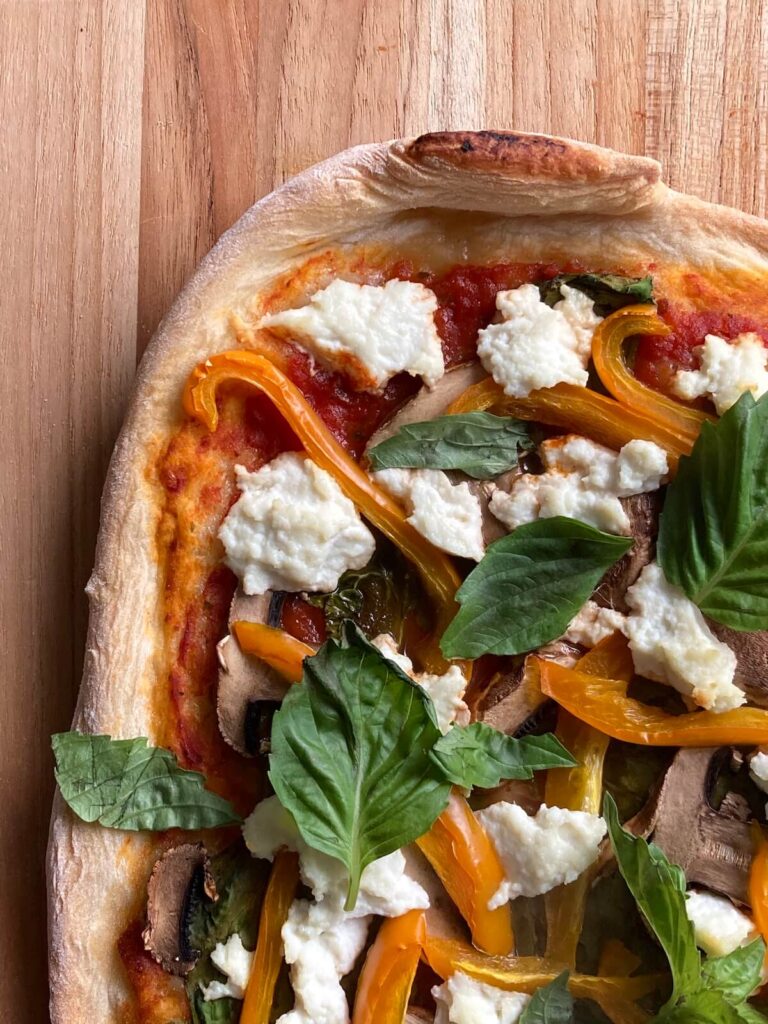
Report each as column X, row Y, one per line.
column 158, row 996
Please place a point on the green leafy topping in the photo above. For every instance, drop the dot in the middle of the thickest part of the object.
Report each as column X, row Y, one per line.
column 477, row 443
column 736, row 975
column 216, row 1011
column 529, row 586
column 609, row 292
column 713, row 537
column 128, row 784
column 351, row 756
column 477, row 755
column 551, row 1004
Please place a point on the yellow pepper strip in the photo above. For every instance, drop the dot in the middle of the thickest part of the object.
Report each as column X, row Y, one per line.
column 466, row 862
column 268, row 958
column 603, row 704
column 281, row 651
column 580, row 789
column 577, row 410
column 529, row 973
column 437, row 572
column 758, row 883
column 390, row 966
column 608, row 355
column 617, row 961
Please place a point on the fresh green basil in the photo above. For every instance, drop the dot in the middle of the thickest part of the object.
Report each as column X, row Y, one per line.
column 217, row 1011
column 477, row 443
column 478, row 755
column 609, row 292
column 351, row 756
column 551, row 1004
column 713, row 536
column 702, row 1007
column 736, row 975
column 750, row 1015
column 129, row 785
column 529, row 586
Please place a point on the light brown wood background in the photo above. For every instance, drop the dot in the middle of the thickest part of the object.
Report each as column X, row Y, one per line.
column 132, row 135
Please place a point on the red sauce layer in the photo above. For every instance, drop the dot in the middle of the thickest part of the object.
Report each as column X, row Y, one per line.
column 158, row 996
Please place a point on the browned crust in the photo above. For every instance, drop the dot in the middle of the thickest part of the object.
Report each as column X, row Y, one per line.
column 547, row 199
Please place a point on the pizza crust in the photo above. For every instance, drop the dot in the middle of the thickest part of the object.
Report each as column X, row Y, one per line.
column 473, row 195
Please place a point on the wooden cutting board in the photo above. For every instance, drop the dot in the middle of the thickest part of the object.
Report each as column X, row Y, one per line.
column 132, row 136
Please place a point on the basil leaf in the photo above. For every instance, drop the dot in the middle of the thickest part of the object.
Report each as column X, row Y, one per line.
column 240, row 884
column 551, row 1004
column 609, row 292
column 478, row 755
column 713, row 537
column 350, row 759
column 700, row 1008
column 478, row 443
column 659, row 891
column 529, row 586
column 749, row 1015
column 130, row 785
column 736, row 975
column 216, row 1011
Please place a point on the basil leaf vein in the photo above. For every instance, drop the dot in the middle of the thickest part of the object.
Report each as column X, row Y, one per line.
column 478, row 755
column 551, row 1004
column 608, row 292
column 736, row 975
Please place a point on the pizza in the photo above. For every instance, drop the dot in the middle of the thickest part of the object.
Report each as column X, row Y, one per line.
column 427, row 675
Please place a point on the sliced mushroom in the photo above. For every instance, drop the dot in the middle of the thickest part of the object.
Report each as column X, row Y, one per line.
column 751, row 650
column 247, row 687
column 643, row 511
column 415, row 1015
column 178, row 879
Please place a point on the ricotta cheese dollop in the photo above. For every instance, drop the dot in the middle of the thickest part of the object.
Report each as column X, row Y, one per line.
column 718, row 927
column 535, row 345
column 462, row 1000
column 541, row 851
column 369, row 331
column 234, row 960
column 447, row 514
column 671, row 642
column 292, row 528
column 593, row 624
column 582, row 480
column 727, row 370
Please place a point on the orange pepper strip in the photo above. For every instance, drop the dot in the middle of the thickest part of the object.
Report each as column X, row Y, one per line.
column 390, row 966
column 466, row 862
column 437, row 572
column 580, row 789
column 578, row 410
column 617, row 961
column 608, row 355
column 603, row 704
column 758, row 883
column 281, row 651
column 268, row 958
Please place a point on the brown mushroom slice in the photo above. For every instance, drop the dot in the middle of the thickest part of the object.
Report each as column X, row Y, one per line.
column 170, row 891
column 246, row 685
column 643, row 511
column 751, row 650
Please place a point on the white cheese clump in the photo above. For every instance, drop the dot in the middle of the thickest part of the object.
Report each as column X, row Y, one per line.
column 542, row 851
column 727, row 370
column 593, row 624
column 671, row 643
column 371, row 332
column 536, row 346
column 758, row 769
column 582, row 480
column 292, row 528
column 446, row 690
column 234, row 960
column 462, row 1000
column 719, row 928
column 447, row 514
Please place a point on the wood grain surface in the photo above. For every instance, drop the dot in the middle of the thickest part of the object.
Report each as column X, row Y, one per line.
column 133, row 135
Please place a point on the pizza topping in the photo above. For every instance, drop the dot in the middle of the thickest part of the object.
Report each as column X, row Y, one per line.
column 292, row 528
column 642, row 511
column 389, row 970
column 727, row 370
column 371, row 332
column 718, row 927
column 462, row 1000
column 593, row 624
column 536, row 346
column 608, row 292
column 233, row 960
column 584, row 481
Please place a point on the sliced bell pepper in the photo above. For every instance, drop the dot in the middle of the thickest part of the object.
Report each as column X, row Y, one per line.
column 577, row 410
column 580, row 789
column 281, row 651
column 758, row 882
column 603, row 704
column 390, row 966
column 617, row 961
column 608, row 355
column 466, row 862
column 437, row 572
column 268, row 958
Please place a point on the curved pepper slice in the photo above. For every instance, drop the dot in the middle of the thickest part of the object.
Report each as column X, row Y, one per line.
column 608, row 355
column 389, row 969
column 758, row 883
column 577, row 410
column 268, row 958
column 466, row 862
column 281, row 651
column 437, row 572
column 603, row 704
column 580, row 789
